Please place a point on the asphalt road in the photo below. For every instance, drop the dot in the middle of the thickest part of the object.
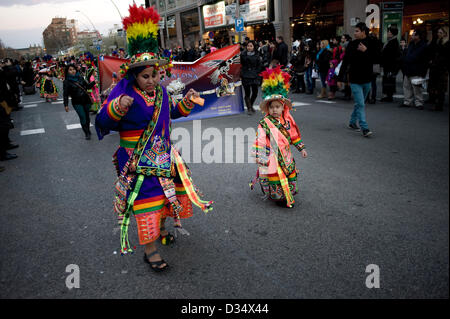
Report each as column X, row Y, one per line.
column 381, row 200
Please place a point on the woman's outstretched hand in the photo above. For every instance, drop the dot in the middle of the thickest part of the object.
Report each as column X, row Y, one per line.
column 194, row 96
column 125, row 103
column 192, row 93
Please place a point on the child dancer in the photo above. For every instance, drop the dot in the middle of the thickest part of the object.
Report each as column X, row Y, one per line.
column 277, row 173
column 48, row 88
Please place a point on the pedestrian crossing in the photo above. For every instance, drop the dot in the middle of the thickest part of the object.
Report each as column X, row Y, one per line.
column 32, row 132
column 74, row 126
column 33, row 124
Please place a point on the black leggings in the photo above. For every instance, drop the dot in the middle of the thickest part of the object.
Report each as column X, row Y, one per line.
column 254, row 92
column 4, row 140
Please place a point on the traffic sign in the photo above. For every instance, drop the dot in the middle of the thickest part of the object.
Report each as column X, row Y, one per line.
column 239, row 24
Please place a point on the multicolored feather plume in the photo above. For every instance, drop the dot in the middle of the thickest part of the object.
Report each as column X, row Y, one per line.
column 275, row 82
column 142, row 29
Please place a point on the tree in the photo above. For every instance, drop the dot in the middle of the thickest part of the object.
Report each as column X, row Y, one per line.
column 2, row 50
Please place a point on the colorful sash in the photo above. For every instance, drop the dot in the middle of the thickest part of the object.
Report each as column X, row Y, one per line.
column 192, row 192
column 282, row 144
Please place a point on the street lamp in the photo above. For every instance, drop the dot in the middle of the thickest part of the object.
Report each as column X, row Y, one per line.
column 121, row 18
column 95, row 29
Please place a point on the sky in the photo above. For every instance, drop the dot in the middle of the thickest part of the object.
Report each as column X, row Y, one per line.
column 23, row 21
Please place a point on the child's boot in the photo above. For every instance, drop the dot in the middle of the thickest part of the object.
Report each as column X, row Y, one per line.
column 331, row 95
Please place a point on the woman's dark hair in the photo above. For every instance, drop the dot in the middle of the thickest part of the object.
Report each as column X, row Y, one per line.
column 66, row 71
column 393, row 30
column 348, row 37
column 420, row 33
column 363, row 27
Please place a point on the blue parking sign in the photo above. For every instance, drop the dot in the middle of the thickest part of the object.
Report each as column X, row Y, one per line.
column 239, row 23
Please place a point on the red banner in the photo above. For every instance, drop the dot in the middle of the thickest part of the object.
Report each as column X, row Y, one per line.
column 216, row 76
column 107, row 65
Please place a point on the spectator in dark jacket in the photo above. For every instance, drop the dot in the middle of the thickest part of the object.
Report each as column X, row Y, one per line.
column 415, row 66
column 264, row 52
column 310, row 56
column 437, row 86
column 281, row 52
column 323, row 59
column 251, row 67
column 298, row 65
column 358, row 64
column 28, row 74
column 377, row 46
column 75, row 87
column 6, row 97
column 390, row 63
column 12, row 78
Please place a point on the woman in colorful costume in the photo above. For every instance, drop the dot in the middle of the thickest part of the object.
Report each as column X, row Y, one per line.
column 94, row 91
column 49, row 91
column 154, row 183
column 277, row 172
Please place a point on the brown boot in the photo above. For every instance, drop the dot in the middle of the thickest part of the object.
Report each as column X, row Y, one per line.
column 323, row 93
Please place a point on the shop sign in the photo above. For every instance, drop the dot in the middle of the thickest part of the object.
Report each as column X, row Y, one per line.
column 257, row 10
column 392, row 6
column 373, row 19
column 250, row 10
column 214, row 15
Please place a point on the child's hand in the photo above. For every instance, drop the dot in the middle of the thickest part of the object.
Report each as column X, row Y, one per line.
column 304, row 153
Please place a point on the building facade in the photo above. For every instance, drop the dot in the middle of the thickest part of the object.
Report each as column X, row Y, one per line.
column 59, row 35
column 187, row 23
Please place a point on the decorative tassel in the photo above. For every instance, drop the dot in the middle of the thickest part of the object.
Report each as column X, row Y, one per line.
column 124, row 242
column 205, row 206
column 285, row 185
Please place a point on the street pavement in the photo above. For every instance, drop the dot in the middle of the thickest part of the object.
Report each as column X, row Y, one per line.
column 381, row 200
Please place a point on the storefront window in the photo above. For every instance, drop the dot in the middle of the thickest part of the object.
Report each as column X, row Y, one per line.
column 162, row 5
column 171, row 40
column 191, row 27
column 171, row 24
column 171, row 4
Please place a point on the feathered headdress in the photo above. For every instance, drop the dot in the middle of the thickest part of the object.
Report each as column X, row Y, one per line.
column 142, row 36
column 275, row 86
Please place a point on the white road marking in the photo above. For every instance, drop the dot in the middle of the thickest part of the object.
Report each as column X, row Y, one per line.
column 328, row 102
column 30, row 105
column 74, row 126
column 300, row 104
column 24, row 103
column 60, row 102
column 30, row 132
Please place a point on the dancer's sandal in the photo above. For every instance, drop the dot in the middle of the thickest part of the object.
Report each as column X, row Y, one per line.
column 167, row 239
column 155, row 265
